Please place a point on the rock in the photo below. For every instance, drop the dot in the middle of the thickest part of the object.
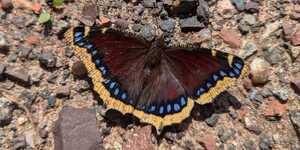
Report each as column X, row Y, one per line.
column 184, row 8
column 6, row 110
column 137, row 27
column 104, row 21
column 295, row 119
column 251, row 125
column 28, row 96
column 288, row 28
column 36, row 74
column 274, row 110
column 231, row 37
column 78, row 69
column 148, row 3
column 254, row 95
column 227, row 135
column 167, row 25
column 33, row 39
column 248, row 49
column 148, row 33
column 270, row 28
column 3, row 42
column 205, row 34
column 139, row 9
column 6, row 5
column 212, row 120
column 295, row 84
column 24, row 52
column 203, row 11
column 140, row 138
column 12, row 57
column 18, row 143
column 76, row 125
column 252, row 7
column 264, row 143
column 239, row 4
column 2, row 70
column 63, row 91
column 282, row 94
column 47, row 59
column 69, row 52
column 121, row 24
column 89, row 14
column 249, row 145
column 225, row 8
column 246, row 23
column 18, row 75
column 260, row 71
column 43, row 133
column 208, row 141
column 82, row 86
column 275, row 55
column 191, row 24
column 51, row 99
column 295, row 39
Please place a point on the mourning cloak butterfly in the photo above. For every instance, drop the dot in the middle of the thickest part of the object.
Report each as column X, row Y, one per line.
column 156, row 84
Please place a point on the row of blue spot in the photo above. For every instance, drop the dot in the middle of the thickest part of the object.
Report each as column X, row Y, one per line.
column 235, row 71
column 168, row 108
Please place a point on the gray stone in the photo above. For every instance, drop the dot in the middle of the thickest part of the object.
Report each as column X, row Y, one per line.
column 18, row 143
column 248, row 49
column 282, row 94
column 295, row 119
column 18, row 75
column 252, row 7
column 191, row 23
column 227, row 135
column 12, row 57
column 36, row 74
column 167, row 25
column 275, row 55
column 63, row 91
column 148, row 3
column 3, row 42
column 239, row 4
column 203, row 11
column 265, row 143
column 249, row 144
column 6, row 109
column 137, row 27
column 51, row 101
column 148, row 32
column 212, row 120
column 47, row 59
column 76, row 125
column 28, row 96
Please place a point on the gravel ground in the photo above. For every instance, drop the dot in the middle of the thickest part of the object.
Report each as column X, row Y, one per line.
column 39, row 74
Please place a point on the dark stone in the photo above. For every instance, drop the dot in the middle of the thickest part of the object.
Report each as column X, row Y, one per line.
column 212, row 120
column 18, row 75
column 2, row 70
column 3, row 43
column 264, row 143
column 89, row 14
column 149, row 3
column 249, row 145
column 63, row 91
column 28, row 96
column 203, row 12
column 239, row 4
column 69, row 52
column 6, row 109
column 295, row 119
column 185, row 8
column 51, row 101
column 148, row 32
column 78, row 69
column 191, row 24
column 52, row 77
column 252, row 7
column 7, row 5
column 18, row 143
column 76, row 125
column 121, row 24
column 227, row 135
column 137, row 27
column 47, row 59
column 168, row 25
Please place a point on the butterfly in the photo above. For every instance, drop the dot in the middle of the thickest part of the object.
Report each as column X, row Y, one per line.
column 158, row 85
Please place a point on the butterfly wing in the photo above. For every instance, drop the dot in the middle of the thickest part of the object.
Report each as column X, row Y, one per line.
column 155, row 90
column 205, row 73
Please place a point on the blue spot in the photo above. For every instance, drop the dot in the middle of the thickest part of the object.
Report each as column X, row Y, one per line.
column 176, row 107
column 77, row 39
column 89, row 46
column 112, row 85
column 107, row 81
column 238, row 65
column 152, row 109
column 169, row 108
column 81, row 43
column 116, row 91
column 182, row 101
column 208, row 84
column 97, row 61
column 201, row 90
column 131, row 101
column 123, row 96
column 161, row 109
column 78, row 34
column 222, row 73
column 236, row 71
column 215, row 77
column 103, row 70
column 231, row 74
column 94, row 52
column 141, row 106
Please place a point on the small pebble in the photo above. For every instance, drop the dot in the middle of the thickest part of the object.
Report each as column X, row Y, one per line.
column 47, row 59
column 212, row 120
column 6, row 109
column 260, row 71
column 264, row 143
column 3, row 42
column 227, row 135
column 252, row 7
column 239, row 4
column 191, row 24
column 168, row 25
column 51, row 101
column 18, row 75
column 78, row 69
column 148, row 32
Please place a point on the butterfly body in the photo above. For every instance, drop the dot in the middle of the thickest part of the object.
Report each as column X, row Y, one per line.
column 158, row 85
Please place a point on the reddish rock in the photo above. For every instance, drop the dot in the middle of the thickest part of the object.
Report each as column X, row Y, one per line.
column 139, row 139
column 231, row 37
column 33, row 39
column 288, row 28
column 208, row 141
column 274, row 108
column 104, row 21
column 247, row 83
column 295, row 39
column 6, row 5
column 78, row 69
